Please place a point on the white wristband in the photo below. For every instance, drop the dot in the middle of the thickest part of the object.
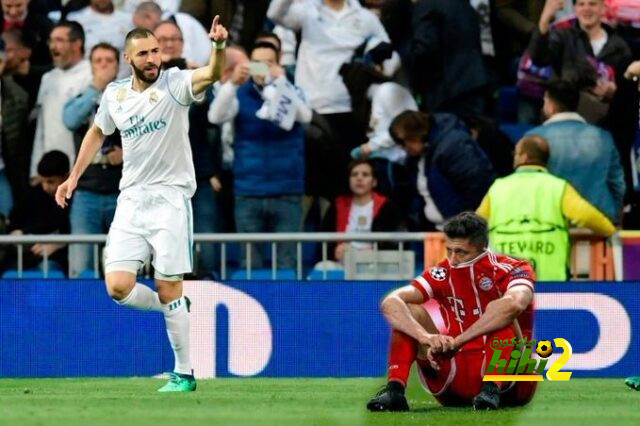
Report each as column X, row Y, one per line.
column 218, row 45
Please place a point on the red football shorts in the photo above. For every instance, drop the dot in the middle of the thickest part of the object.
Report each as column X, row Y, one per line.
column 460, row 379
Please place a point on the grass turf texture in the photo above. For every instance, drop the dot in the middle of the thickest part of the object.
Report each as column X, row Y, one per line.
column 119, row 402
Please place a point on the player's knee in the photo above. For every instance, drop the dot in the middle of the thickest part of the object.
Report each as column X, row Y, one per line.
column 119, row 284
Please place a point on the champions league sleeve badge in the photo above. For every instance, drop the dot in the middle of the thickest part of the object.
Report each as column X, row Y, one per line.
column 438, row 273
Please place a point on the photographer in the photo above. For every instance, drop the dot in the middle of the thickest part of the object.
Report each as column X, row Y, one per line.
column 268, row 167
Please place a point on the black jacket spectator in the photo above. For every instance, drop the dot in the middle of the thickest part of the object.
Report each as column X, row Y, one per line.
column 37, row 28
column 16, row 145
column 448, row 71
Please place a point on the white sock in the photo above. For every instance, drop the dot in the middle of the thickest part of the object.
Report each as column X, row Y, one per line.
column 142, row 297
column 176, row 317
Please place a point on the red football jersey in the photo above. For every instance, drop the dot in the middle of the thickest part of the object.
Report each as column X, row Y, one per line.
column 465, row 290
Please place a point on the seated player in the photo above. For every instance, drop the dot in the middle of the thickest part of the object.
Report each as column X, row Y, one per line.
column 482, row 296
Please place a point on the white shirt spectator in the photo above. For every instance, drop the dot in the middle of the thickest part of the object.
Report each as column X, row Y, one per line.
column 387, row 101
column 57, row 87
column 197, row 45
column 129, row 6
column 100, row 27
column 329, row 39
column 289, row 43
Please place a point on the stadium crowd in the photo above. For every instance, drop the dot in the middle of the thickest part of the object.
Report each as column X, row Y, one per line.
column 429, row 97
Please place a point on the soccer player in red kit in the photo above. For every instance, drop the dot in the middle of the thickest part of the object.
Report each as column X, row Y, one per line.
column 482, row 296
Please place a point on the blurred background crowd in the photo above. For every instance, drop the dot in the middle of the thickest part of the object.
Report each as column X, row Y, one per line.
column 336, row 115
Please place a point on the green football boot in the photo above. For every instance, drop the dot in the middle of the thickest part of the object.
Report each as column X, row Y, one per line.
column 633, row 382
column 179, row 383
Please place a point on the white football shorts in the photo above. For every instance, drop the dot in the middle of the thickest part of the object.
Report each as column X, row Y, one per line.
column 152, row 220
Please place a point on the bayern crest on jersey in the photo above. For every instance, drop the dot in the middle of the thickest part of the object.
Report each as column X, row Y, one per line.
column 485, row 283
column 438, row 273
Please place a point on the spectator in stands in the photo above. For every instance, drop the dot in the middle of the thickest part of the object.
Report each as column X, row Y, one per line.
column 515, row 21
column 363, row 210
column 452, row 171
column 95, row 199
column 244, row 18
column 583, row 154
column 447, row 69
column 206, row 147
column 196, row 43
column 332, row 31
column 591, row 49
column 102, row 23
column 39, row 214
column 169, row 7
column 286, row 48
column 171, row 45
column 529, row 212
column 19, row 65
column 268, row 148
column 70, row 77
column 387, row 101
column 24, row 15
column 14, row 149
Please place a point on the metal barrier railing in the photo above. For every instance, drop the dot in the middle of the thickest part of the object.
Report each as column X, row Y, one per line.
column 248, row 239
column 602, row 265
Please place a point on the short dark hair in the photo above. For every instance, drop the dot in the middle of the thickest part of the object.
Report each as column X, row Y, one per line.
column 469, row 226
column 264, row 45
column 564, row 93
column 415, row 124
column 355, row 163
column 266, row 34
column 76, row 32
column 137, row 33
column 105, row 46
column 53, row 164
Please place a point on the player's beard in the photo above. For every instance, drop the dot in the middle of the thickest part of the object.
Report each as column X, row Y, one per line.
column 139, row 73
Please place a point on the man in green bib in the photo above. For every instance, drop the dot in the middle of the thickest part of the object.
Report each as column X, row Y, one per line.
column 530, row 210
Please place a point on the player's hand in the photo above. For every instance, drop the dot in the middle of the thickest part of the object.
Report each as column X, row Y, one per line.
column 218, row 33
column 240, row 74
column 114, row 157
column 633, row 71
column 65, row 191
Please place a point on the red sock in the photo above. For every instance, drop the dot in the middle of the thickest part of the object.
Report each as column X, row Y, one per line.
column 402, row 354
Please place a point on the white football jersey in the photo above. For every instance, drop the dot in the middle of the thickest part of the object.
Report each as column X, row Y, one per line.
column 154, row 126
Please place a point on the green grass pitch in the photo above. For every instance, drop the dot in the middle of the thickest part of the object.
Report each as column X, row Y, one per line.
column 280, row 402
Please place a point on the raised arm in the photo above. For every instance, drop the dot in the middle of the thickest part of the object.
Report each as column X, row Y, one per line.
column 205, row 76
column 288, row 13
column 90, row 145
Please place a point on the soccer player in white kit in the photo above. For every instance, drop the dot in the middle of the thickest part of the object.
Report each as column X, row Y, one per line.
column 153, row 216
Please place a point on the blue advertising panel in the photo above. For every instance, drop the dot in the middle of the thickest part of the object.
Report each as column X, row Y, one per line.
column 71, row 328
